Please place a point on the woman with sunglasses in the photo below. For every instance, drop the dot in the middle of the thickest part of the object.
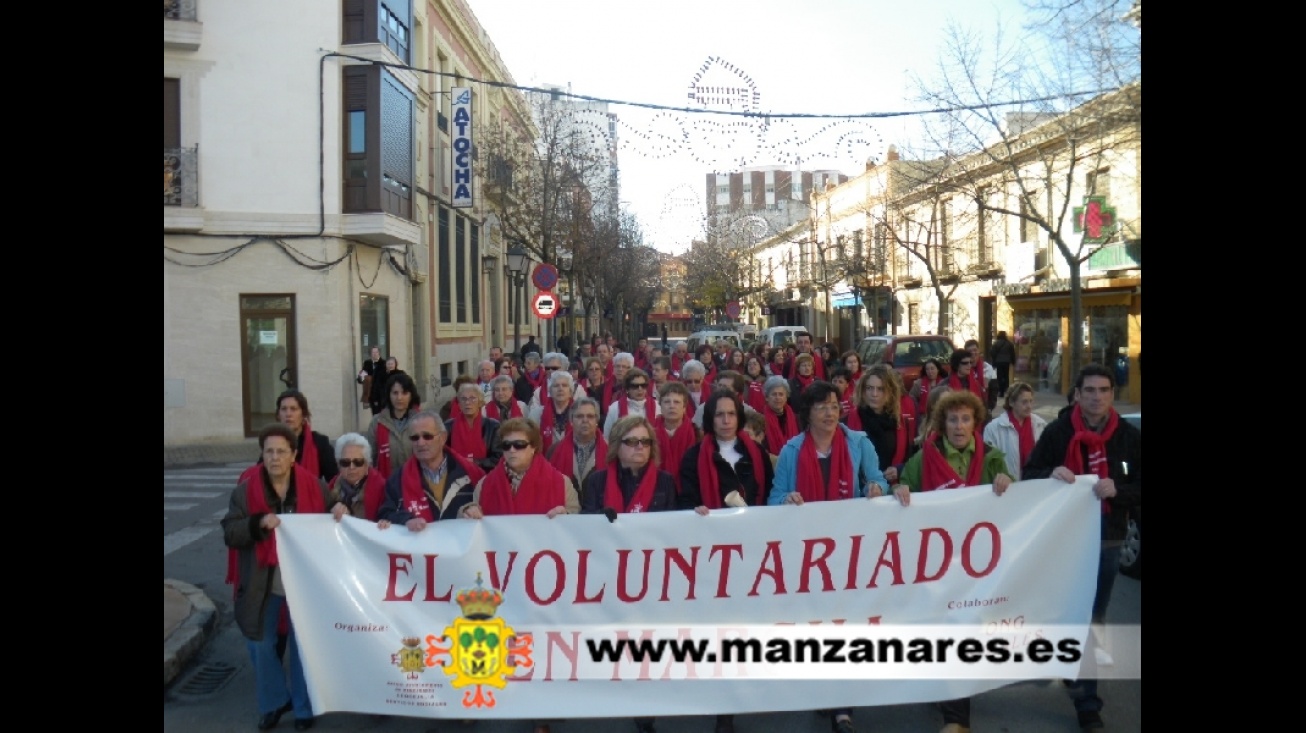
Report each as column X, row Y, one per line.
column 433, row 484
column 524, row 482
column 360, row 487
column 387, row 433
column 637, row 400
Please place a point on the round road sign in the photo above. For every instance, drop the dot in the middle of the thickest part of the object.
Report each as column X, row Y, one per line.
column 545, row 304
column 544, row 276
column 732, row 309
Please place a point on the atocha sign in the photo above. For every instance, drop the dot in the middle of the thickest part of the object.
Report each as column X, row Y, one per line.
column 462, row 147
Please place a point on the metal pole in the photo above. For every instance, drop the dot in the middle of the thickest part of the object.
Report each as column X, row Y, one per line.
column 516, row 312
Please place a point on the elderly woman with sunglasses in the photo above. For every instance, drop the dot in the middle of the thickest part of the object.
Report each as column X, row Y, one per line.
column 360, row 487
column 524, row 482
column 431, row 485
column 554, row 416
column 638, row 399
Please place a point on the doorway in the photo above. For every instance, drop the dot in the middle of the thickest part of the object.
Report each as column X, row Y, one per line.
column 267, row 351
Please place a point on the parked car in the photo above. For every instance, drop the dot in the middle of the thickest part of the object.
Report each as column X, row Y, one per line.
column 1131, row 553
column 712, row 337
column 904, row 352
column 780, row 335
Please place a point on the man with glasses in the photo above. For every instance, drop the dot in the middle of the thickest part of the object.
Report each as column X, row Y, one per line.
column 553, row 361
column 638, row 399
column 433, row 484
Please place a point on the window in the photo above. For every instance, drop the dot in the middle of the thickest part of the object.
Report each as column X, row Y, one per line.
column 474, row 258
column 378, row 142
column 171, row 113
column 460, row 266
column 983, row 254
column 1028, row 229
column 379, row 21
column 374, row 324
column 446, row 270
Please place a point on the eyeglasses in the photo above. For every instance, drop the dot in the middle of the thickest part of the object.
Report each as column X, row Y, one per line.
column 356, row 462
column 637, row 442
column 641, row 385
column 415, row 437
column 508, row 445
column 966, row 362
column 551, row 369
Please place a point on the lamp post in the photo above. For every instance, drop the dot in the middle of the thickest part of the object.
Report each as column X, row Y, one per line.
column 516, row 265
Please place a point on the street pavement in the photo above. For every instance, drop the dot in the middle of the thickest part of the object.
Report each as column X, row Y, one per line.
column 200, row 642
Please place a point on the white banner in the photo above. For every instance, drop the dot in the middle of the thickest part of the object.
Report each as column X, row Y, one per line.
column 394, row 622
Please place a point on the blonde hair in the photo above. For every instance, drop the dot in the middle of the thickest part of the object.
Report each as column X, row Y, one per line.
column 623, row 427
column 892, row 389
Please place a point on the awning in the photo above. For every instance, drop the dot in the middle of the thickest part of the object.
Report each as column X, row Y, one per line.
column 1062, row 299
column 844, row 300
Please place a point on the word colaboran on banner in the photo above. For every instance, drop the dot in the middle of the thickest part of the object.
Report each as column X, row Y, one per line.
column 501, row 617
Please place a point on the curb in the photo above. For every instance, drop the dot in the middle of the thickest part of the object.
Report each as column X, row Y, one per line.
column 190, row 636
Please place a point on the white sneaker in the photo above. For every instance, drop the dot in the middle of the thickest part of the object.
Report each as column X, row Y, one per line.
column 1103, row 657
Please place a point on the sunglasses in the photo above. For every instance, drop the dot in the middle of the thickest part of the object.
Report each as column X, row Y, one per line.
column 637, row 442
column 966, row 363
column 641, row 385
column 552, row 369
column 508, row 445
column 356, row 462
column 415, row 437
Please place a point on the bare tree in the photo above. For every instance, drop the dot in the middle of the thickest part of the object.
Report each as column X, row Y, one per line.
column 1034, row 160
column 721, row 267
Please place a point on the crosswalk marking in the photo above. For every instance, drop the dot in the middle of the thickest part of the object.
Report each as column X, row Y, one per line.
column 178, row 507
column 181, row 538
column 191, row 494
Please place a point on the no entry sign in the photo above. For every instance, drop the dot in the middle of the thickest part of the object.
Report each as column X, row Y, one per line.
column 545, row 304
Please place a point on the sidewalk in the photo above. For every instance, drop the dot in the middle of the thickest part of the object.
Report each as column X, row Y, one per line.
column 176, row 456
column 188, row 619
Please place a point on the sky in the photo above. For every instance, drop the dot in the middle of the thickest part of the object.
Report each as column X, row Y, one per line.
column 821, row 56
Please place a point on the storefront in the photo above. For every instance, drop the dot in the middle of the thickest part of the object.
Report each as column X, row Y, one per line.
column 1038, row 323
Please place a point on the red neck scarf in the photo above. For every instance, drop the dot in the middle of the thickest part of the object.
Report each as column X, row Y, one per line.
column 923, row 403
column 708, row 380
column 640, row 500
column 373, row 492
column 755, row 397
column 413, row 484
column 1025, row 432
column 973, row 383
column 777, row 436
column 650, row 406
column 542, row 489
column 564, row 456
column 709, row 483
column 538, row 381
column 308, row 453
column 673, row 447
column 1094, row 443
column 846, row 406
column 937, row 473
column 803, row 382
column 841, row 470
column 468, row 440
column 906, row 429
column 383, row 448
column 514, row 409
column 308, row 500
column 548, row 419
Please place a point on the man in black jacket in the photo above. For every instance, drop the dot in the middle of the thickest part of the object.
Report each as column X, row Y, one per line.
column 1003, row 354
column 1090, row 438
column 373, row 377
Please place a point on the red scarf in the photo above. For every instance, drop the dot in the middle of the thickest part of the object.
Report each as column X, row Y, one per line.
column 708, row 380
column 640, row 500
column 709, row 483
column 973, row 383
column 1025, row 432
column 846, row 406
column 804, row 382
column 673, row 447
column 818, row 365
column 841, row 485
column 542, row 489
column 923, row 404
column 308, row 454
column 650, row 406
column 776, row 437
column 548, row 420
column 755, row 397
column 413, row 484
column 937, row 473
column 564, row 456
column 383, row 448
column 373, row 492
column 514, row 409
column 468, row 440
column 1094, row 443
column 539, row 381
column 906, row 429
column 308, row 500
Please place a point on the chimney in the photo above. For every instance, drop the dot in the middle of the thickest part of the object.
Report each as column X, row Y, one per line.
column 893, row 152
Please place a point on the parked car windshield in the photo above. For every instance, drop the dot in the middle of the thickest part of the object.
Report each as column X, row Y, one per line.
column 912, row 353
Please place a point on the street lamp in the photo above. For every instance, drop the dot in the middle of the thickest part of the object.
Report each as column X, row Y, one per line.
column 517, row 258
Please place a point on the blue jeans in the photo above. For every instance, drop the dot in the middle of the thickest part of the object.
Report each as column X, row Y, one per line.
column 270, row 680
column 1083, row 691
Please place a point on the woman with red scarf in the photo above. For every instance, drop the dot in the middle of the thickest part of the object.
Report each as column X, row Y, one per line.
column 675, row 432
column 533, row 376
column 781, row 420
column 755, row 373
column 276, row 487
column 471, row 435
column 964, row 376
column 630, row 481
column 598, row 386
column 503, row 403
column 852, row 361
column 887, row 416
column 804, row 373
column 524, row 482
column 360, row 487
column 707, row 357
column 933, row 375
column 835, row 463
column 553, row 416
column 953, row 455
column 388, row 431
column 1017, row 429
column 315, row 454
column 637, row 398
column 434, row 483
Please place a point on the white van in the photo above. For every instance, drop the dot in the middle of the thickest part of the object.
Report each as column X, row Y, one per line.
column 699, row 338
column 779, row 335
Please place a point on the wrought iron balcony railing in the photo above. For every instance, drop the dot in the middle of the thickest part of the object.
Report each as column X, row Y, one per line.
column 181, row 176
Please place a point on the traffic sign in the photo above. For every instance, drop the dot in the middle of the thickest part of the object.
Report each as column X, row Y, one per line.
column 544, row 276
column 545, row 304
column 732, row 309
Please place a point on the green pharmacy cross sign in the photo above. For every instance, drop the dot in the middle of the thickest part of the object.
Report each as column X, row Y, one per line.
column 1096, row 219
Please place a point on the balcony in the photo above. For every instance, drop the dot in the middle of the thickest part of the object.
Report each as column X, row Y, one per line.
column 181, row 30
column 181, row 197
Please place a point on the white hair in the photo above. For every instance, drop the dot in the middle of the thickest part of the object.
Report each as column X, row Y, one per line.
column 560, row 375
column 349, row 439
column 693, row 368
column 624, row 358
column 773, row 382
column 555, row 356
